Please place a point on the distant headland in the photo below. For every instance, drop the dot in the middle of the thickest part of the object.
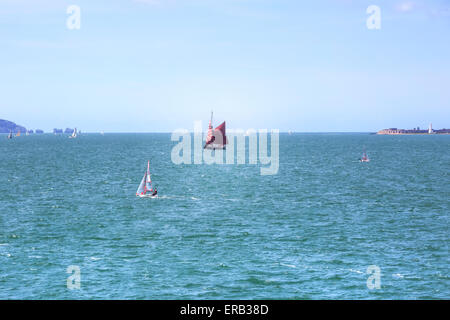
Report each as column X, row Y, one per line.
column 9, row 126
column 417, row 130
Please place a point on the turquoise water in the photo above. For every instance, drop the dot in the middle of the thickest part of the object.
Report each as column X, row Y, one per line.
column 225, row 231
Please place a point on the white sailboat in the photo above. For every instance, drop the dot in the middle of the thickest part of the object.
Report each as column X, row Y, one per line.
column 145, row 189
column 364, row 157
column 74, row 134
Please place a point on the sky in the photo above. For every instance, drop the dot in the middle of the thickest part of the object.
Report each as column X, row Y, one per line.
column 160, row 65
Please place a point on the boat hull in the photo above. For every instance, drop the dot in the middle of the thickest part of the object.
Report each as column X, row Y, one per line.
column 215, row 146
column 146, row 196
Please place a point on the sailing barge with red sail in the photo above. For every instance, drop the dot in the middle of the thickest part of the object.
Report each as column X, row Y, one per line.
column 216, row 138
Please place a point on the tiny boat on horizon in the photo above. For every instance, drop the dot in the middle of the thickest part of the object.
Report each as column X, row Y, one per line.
column 74, row 134
column 145, row 189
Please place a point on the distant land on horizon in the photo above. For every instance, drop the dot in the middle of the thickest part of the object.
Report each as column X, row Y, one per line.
column 7, row 126
column 430, row 130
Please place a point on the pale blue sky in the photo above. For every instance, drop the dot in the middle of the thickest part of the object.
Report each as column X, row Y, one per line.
column 158, row 65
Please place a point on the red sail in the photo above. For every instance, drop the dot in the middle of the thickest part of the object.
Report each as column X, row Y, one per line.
column 219, row 134
column 216, row 138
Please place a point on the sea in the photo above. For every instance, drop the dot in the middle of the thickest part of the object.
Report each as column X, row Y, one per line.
column 325, row 226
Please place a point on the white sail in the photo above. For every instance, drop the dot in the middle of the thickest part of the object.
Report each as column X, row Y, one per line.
column 148, row 185
column 74, row 134
column 148, row 182
column 142, row 185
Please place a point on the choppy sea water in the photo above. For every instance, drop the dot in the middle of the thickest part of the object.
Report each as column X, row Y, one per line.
column 225, row 231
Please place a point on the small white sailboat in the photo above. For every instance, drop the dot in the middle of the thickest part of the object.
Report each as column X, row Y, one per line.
column 364, row 157
column 74, row 134
column 145, row 189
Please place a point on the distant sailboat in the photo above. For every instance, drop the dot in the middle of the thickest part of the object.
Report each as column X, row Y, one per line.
column 10, row 135
column 364, row 157
column 18, row 134
column 74, row 134
column 216, row 138
column 145, row 188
